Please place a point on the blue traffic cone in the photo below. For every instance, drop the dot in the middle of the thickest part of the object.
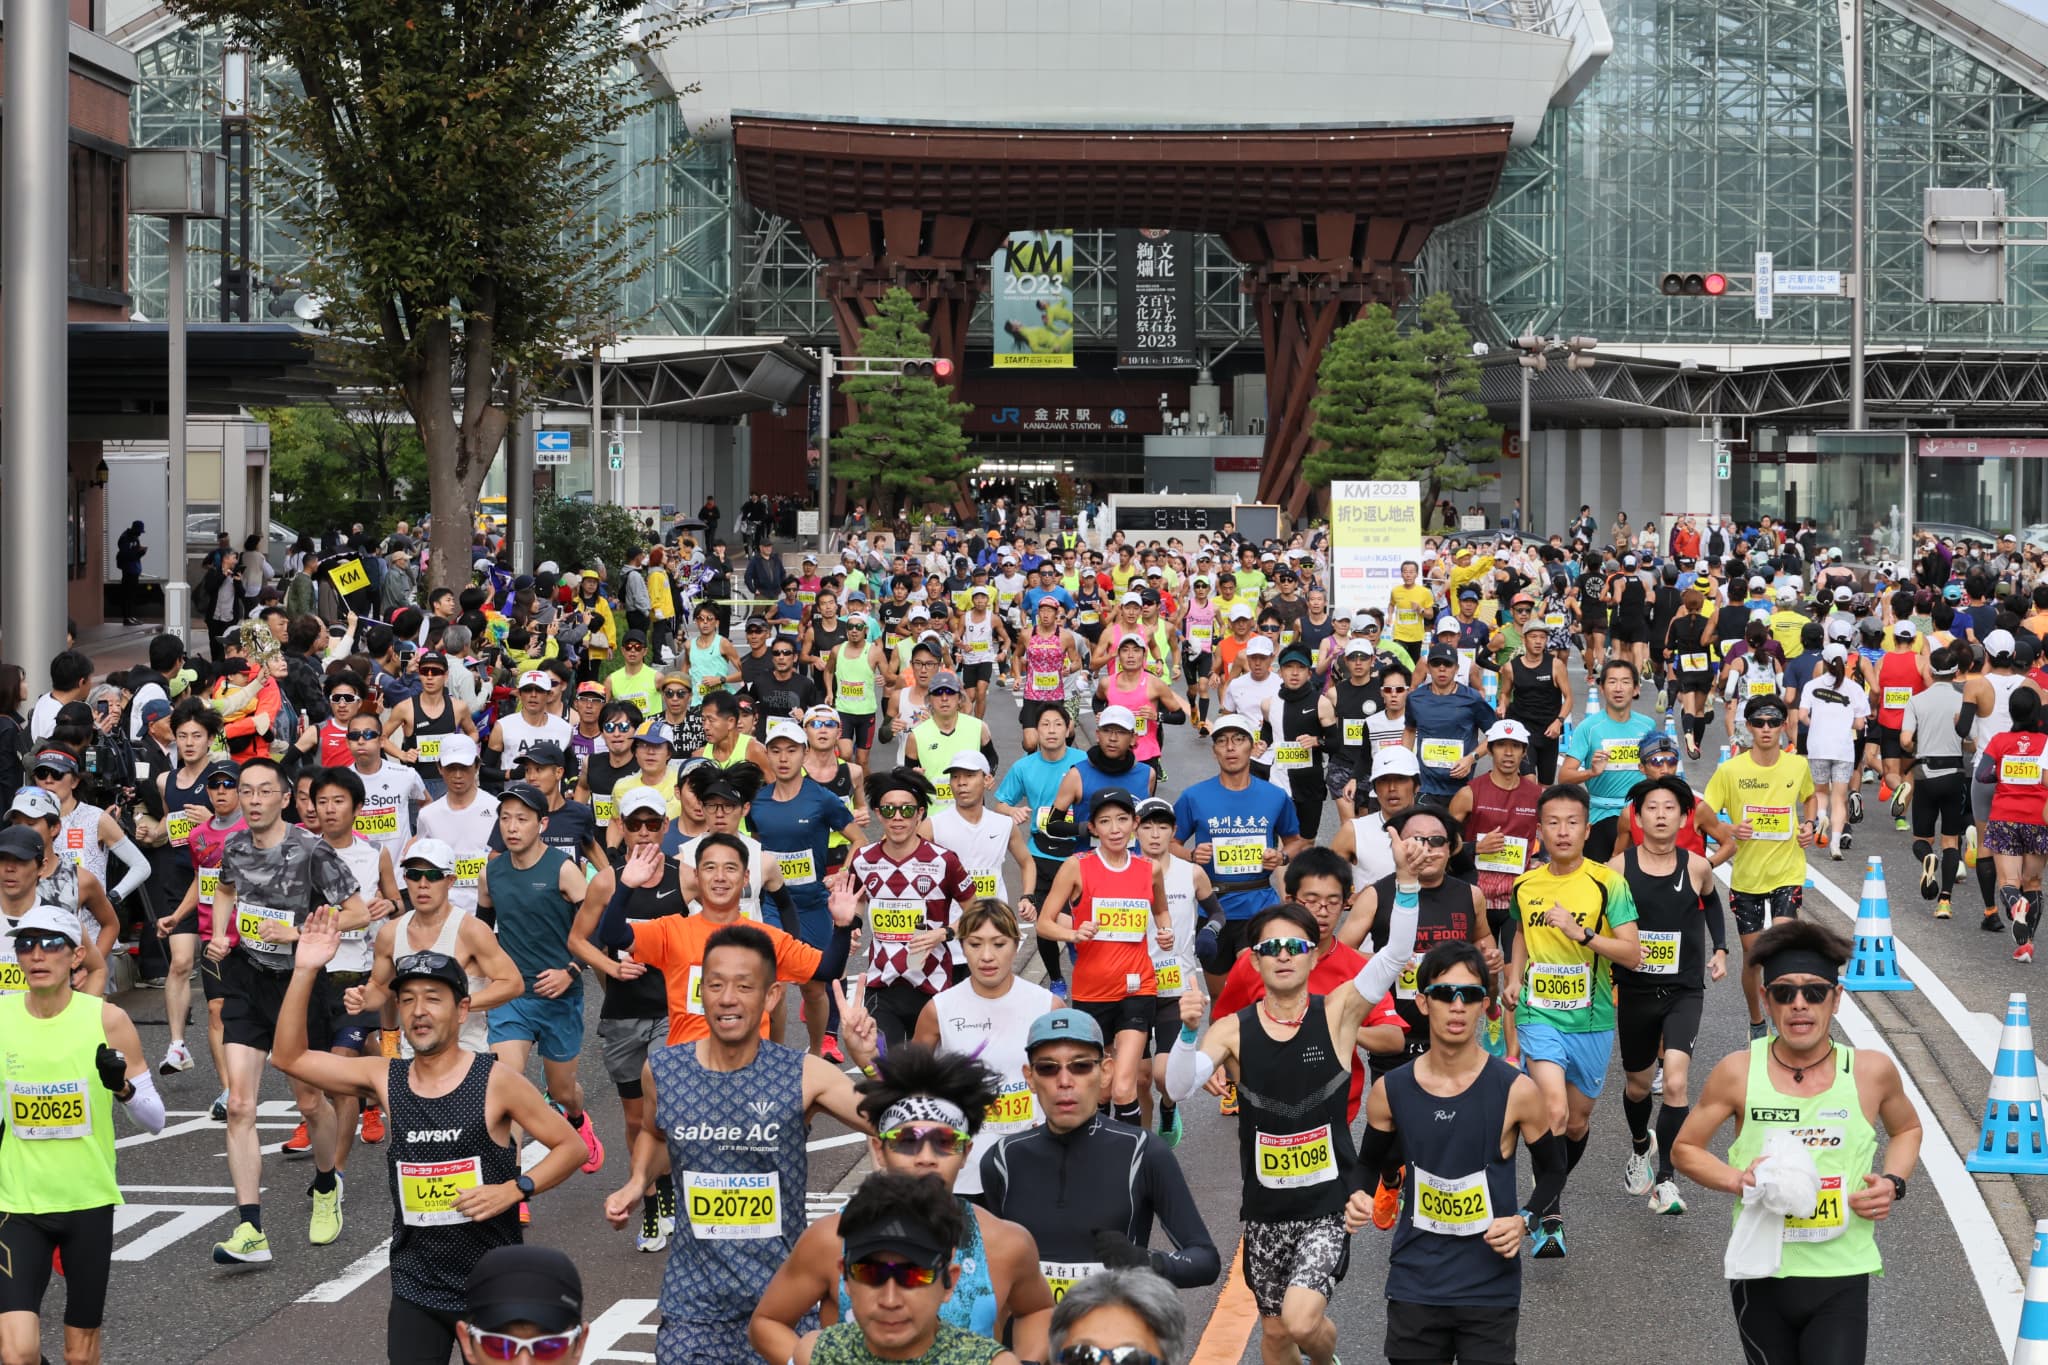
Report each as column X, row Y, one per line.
column 1726, row 753
column 1875, row 965
column 2031, row 1346
column 2014, row 1139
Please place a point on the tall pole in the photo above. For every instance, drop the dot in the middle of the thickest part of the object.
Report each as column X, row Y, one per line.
column 1853, row 83
column 519, row 480
column 35, row 149
column 598, row 472
column 177, row 592
column 1528, row 508
column 825, row 373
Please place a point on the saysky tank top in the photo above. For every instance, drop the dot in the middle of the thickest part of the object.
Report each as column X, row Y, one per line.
column 1457, row 1184
column 1293, row 1138
column 441, row 1147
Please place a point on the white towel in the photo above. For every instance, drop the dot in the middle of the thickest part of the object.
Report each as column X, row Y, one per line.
column 1786, row 1185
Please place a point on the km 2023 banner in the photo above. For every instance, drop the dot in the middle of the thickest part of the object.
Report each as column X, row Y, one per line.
column 1033, row 281
column 1375, row 525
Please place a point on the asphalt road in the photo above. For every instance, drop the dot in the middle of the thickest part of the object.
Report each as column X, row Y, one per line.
column 1636, row 1286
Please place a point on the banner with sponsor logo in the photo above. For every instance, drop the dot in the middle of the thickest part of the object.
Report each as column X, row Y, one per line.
column 1374, row 526
column 1032, row 279
column 1155, row 299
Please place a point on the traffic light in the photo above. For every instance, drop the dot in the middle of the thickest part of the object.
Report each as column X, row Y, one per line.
column 1579, row 351
column 1532, row 355
column 1709, row 283
column 939, row 368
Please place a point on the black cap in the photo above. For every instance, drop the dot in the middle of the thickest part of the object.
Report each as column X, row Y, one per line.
column 432, row 656
column 634, row 637
column 430, row 967
column 21, row 844
column 526, row 794
column 1440, row 655
column 899, row 1235
column 547, row 754
column 220, row 767
column 515, row 1284
column 1111, row 796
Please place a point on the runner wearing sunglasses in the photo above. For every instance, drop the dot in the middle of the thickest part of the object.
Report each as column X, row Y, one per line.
column 69, row 1056
column 927, row 1108
column 1799, row 1083
column 456, row 1182
column 465, row 817
column 731, row 1113
column 1454, row 1275
column 414, row 729
column 1112, row 1180
column 1119, row 1317
column 437, row 923
column 1293, row 1051
column 825, row 751
column 1762, row 803
column 609, row 763
column 522, row 1303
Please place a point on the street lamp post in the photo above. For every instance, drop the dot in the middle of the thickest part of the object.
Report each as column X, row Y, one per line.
column 1534, row 359
column 177, row 184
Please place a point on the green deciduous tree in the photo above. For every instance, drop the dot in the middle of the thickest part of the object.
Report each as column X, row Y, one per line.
column 333, row 464
column 1400, row 406
column 443, row 167
column 906, row 446
column 577, row 535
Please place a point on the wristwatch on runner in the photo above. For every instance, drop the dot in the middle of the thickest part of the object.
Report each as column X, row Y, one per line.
column 525, row 1184
column 1898, row 1185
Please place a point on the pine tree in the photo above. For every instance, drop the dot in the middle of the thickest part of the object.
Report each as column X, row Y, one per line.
column 907, row 440
column 1457, row 434
column 1370, row 403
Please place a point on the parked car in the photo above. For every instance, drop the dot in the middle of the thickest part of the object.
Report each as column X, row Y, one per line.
column 202, row 527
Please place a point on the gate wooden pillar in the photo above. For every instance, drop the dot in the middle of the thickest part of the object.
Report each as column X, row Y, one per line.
column 1308, row 276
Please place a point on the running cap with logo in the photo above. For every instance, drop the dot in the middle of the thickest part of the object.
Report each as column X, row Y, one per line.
column 1258, row 645
column 1226, row 724
column 783, row 728
column 48, row 919
column 968, row 760
column 1156, row 808
column 643, row 799
column 517, row 1284
column 1119, row 716
column 458, row 751
column 526, row 794
column 1056, row 1026
column 537, row 677
column 1395, row 761
column 37, row 804
column 1508, row 730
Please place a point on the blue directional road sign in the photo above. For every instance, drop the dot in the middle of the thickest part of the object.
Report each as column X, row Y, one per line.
column 550, row 446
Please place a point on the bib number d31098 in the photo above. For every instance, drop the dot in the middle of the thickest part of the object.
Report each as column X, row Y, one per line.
column 1288, row 1161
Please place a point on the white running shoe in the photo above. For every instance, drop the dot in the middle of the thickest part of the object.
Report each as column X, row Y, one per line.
column 177, row 1057
column 1665, row 1199
column 1657, row 1080
column 1641, row 1167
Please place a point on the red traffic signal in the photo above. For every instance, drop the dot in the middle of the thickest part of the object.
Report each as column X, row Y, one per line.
column 938, row 368
column 1695, row 283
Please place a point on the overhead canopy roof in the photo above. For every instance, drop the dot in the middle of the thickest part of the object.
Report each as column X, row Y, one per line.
column 122, row 369
column 694, row 378
column 1205, row 179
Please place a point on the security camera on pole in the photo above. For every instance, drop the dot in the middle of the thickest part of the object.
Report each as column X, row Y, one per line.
column 1535, row 358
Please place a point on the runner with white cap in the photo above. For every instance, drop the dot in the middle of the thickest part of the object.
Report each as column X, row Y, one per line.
column 1248, row 693
column 513, row 735
column 464, row 818
column 985, row 841
column 436, row 923
column 1396, row 785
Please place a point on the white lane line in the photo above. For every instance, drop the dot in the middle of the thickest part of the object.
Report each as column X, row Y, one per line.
column 1998, row 1280
column 843, row 1140
column 177, row 1189
column 1979, row 1031
column 360, row 1272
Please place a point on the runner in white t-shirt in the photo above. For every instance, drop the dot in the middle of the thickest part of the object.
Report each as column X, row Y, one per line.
column 463, row 819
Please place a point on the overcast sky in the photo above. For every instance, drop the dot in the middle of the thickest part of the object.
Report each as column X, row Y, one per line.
column 2037, row 8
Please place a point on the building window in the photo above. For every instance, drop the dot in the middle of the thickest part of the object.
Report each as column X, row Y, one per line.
column 99, row 219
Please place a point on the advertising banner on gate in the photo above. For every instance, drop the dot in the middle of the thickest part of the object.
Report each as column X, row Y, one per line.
column 1155, row 299
column 1032, row 279
column 1374, row 526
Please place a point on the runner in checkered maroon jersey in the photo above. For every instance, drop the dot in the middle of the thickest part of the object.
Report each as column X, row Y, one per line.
column 912, row 888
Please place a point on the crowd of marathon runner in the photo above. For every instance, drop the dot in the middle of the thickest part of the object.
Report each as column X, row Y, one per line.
column 1427, row 878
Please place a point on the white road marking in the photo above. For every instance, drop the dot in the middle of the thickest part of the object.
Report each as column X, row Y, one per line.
column 626, row 1318
column 184, row 1220
column 843, row 1140
column 360, row 1272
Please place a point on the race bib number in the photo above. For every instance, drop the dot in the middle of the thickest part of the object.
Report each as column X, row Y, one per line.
column 180, row 828
column 1554, row 619
column 1405, row 984
column 209, row 882
column 74, row 846
column 942, row 793
column 733, row 1208
column 1239, row 855
column 12, row 978
column 1763, row 688
column 1169, row 975
column 1289, row 757
column 1621, row 755
column 605, row 808
column 853, row 689
column 1120, row 920
column 1772, row 823
column 428, row 747
column 1452, row 1206
column 1511, row 857
column 1561, row 985
column 1354, row 733
column 1692, row 663
column 1896, row 698
column 427, row 1191
column 1091, row 617
column 2020, row 770
column 984, row 885
column 1825, row 1223
column 896, row 920
column 250, row 919
column 1288, row 1161
column 1143, row 726
column 1660, row 953
column 469, row 871
column 1014, row 1110
column 1442, row 753
column 798, row 869
column 372, row 824
column 1407, row 616
column 1045, row 682
column 38, row 1111
column 1060, row 1276
column 981, row 651
column 1201, row 635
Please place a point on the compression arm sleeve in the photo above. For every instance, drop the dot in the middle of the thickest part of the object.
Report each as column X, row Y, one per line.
column 145, row 1106
column 833, row 965
column 1373, row 1150
column 1547, row 1157
column 1717, row 929
column 1188, row 1068
column 138, row 868
column 1212, row 912
column 1193, row 1262
column 1378, row 976
column 785, row 910
column 613, row 929
column 1987, row 768
column 1966, row 716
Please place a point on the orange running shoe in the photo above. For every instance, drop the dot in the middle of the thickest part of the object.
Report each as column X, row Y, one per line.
column 1227, row 1106
column 1386, row 1202
column 300, row 1143
column 372, row 1130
